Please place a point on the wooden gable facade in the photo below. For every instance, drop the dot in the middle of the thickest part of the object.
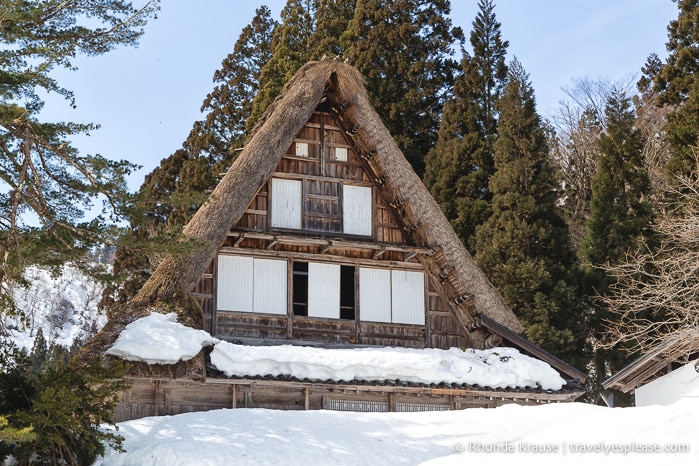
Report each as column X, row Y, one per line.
column 319, row 257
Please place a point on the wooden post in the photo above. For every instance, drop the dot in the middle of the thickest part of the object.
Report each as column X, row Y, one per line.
column 157, row 389
column 234, row 394
column 451, row 402
column 306, row 396
column 391, row 402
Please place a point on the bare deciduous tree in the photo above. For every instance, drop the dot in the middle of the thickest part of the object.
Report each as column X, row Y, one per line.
column 656, row 292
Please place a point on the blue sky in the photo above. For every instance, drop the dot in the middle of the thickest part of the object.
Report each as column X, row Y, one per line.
column 147, row 98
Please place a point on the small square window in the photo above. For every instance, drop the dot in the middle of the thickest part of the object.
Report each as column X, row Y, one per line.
column 341, row 154
column 302, row 149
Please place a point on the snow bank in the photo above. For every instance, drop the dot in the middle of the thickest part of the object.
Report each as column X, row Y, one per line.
column 496, row 368
column 568, row 434
column 159, row 339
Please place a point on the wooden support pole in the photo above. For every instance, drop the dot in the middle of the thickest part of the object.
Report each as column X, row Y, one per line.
column 157, row 389
column 234, row 396
column 391, row 402
column 306, row 396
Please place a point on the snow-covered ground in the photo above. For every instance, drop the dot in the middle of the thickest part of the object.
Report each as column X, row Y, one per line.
column 572, row 433
column 560, row 434
column 64, row 307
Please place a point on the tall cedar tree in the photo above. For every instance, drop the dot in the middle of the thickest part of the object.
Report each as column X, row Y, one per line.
column 459, row 167
column 173, row 191
column 291, row 48
column 404, row 49
column 332, row 20
column 42, row 176
column 309, row 30
column 621, row 215
column 524, row 246
column 678, row 84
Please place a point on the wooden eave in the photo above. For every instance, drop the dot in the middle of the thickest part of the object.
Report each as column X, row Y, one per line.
column 150, row 396
column 326, row 244
column 530, row 348
column 649, row 366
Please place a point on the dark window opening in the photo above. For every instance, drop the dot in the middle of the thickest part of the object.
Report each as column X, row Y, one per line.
column 300, row 289
column 347, row 288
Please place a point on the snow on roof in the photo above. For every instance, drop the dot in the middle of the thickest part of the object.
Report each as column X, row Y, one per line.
column 159, row 339
column 496, row 368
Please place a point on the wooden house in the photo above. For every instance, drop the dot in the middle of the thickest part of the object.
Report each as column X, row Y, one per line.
column 663, row 375
column 322, row 234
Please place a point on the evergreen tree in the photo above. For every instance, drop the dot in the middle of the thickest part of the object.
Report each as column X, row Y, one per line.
column 332, row 20
column 621, row 216
column 175, row 189
column 678, row 84
column 461, row 164
column 524, row 246
column 53, row 415
column 404, row 48
column 236, row 83
column 41, row 174
column 291, row 49
column 620, row 211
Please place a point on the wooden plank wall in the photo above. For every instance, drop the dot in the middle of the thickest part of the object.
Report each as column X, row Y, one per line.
column 160, row 397
column 322, row 176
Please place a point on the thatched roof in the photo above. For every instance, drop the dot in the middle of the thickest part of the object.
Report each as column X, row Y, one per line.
column 422, row 219
column 466, row 288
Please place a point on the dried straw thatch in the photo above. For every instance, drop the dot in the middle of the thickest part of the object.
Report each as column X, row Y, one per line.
column 464, row 285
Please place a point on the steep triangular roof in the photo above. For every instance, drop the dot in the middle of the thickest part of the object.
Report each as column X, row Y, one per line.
column 464, row 285
column 476, row 305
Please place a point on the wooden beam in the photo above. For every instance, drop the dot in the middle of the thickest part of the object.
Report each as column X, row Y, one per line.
column 234, row 396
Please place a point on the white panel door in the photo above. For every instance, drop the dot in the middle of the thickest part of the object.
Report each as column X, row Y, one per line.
column 270, row 280
column 234, row 286
column 408, row 297
column 286, row 203
column 323, row 290
column 356, row 210
column 374, row 295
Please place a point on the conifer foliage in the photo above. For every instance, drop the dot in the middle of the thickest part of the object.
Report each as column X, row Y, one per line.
column 174, row 190
column 404, row 49
column 51, row 411
column 678, row 84
column 621, row 217
column 524, row 246
column 42, row 176
column 459, row 167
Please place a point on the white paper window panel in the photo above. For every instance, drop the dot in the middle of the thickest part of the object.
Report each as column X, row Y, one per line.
column 374, row 295
column 302, row 149
column 323, row 290
column 235, row 283
column 341, row 154
column 286, row 203
column 270, row 279
column 356, row 210
column 408, row 297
